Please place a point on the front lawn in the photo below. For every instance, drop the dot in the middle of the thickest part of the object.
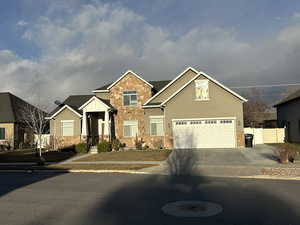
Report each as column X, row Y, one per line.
column 64, row 167
column 30, row 156
column 129, row 155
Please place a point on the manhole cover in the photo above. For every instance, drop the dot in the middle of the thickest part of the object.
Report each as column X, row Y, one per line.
column 192, row 209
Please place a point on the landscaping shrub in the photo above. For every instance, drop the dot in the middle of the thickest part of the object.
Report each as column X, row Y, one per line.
column 104, row 146
column 158, row 144
column 138, row 143
column 116, row 145
column 81, row 148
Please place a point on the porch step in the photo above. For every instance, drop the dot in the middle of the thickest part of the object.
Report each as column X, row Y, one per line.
column 93, row 150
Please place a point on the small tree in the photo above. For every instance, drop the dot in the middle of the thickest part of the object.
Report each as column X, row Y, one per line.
column 35, row 119
column 255, row 108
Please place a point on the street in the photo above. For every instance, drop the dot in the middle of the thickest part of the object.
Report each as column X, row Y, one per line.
column 111, row 199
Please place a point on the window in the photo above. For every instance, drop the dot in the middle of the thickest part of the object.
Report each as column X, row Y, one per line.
column 67, row 128
column 130, row 128
column 129, row 98
column 2, row 133
column 156, row 126
column 201, row 88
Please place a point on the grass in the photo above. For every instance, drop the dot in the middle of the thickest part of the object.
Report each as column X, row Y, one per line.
column 30, row 156
column 80, row 167
column 129, row 155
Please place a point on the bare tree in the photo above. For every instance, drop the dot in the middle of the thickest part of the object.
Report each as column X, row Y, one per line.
column 255, row 108
column 35, row 119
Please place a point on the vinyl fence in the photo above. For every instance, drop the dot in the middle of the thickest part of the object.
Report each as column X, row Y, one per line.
column 266, row 135
column 44, row 142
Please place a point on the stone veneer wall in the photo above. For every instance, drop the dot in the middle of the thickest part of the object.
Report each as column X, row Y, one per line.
column 129, row 83
column 240, row 139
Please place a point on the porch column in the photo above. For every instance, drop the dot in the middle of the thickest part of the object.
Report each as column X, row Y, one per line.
column 106, row 123
column 84, row 125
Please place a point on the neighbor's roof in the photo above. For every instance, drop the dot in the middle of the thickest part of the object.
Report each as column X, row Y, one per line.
column 157, row 85
column 75, row 101
column 289, row 98
column 11, row 108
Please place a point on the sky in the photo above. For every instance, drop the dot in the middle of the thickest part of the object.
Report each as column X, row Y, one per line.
column 50, row 49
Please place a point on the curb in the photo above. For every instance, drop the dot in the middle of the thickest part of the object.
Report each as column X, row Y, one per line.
column 262, row 177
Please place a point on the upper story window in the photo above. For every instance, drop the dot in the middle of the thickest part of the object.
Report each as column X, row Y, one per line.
column 2, row 133
column 129, row 98
column 202, row 90
column 67, row 128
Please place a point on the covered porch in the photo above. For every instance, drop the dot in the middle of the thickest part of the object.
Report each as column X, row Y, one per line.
column 96, row 121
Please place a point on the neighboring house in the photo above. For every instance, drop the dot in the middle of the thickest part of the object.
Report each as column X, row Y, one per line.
column 191, row 111
column 13, row 130
column 288, row 116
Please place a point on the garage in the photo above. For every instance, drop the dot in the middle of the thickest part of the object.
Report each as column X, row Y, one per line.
column 204, row 133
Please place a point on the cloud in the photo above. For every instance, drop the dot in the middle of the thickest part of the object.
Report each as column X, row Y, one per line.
column 22, row 23
column 95, row 43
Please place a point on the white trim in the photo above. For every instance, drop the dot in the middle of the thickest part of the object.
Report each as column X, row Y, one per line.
column 61, row 109
column 156, row 117
column 224, row 87
column 90, row 100
column 171, row 82
column 129, row 71
column 211, row 79
column 66, row 121
column 100, row 91
column 214, row 118
column 151, row 106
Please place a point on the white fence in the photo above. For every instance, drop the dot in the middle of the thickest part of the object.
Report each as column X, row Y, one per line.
column 266, row 135
column 45, row 140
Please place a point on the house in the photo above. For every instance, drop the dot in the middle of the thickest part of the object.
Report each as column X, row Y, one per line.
column 13, row 130
column 288, row 116
column 191, row 111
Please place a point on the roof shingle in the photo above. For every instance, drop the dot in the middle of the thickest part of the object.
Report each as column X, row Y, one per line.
column 289, row 98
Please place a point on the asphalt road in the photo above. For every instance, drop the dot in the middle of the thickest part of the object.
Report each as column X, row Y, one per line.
column 108, row 199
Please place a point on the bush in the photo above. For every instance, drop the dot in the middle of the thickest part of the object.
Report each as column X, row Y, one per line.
column 81, row 148
column 116, row 145
column 138, row 144
column 104, row 146
column 158, row 144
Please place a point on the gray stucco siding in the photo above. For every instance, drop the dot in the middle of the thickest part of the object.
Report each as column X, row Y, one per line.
column 66, row 114
column 221, row 104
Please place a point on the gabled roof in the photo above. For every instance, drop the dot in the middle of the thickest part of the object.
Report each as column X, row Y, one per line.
column 157, row 86
column 96, row 98
column 170, row 83
column 11, row 108
column 291, row 97
column 148, row 104
column 75, row 102
column 121, row 77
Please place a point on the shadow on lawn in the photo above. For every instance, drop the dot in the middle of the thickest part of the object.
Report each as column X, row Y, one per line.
column 245, row 202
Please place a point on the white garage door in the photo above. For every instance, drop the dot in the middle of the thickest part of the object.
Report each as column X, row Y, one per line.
column 204, row 133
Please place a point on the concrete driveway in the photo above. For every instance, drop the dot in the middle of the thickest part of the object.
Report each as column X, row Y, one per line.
column 259, row 155
column 221, row 162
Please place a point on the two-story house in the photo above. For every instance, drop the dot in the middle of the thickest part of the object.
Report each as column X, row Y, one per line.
column 191, row 111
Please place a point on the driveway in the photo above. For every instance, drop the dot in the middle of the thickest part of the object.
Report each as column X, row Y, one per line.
column 233, row 162
column 259, row 155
